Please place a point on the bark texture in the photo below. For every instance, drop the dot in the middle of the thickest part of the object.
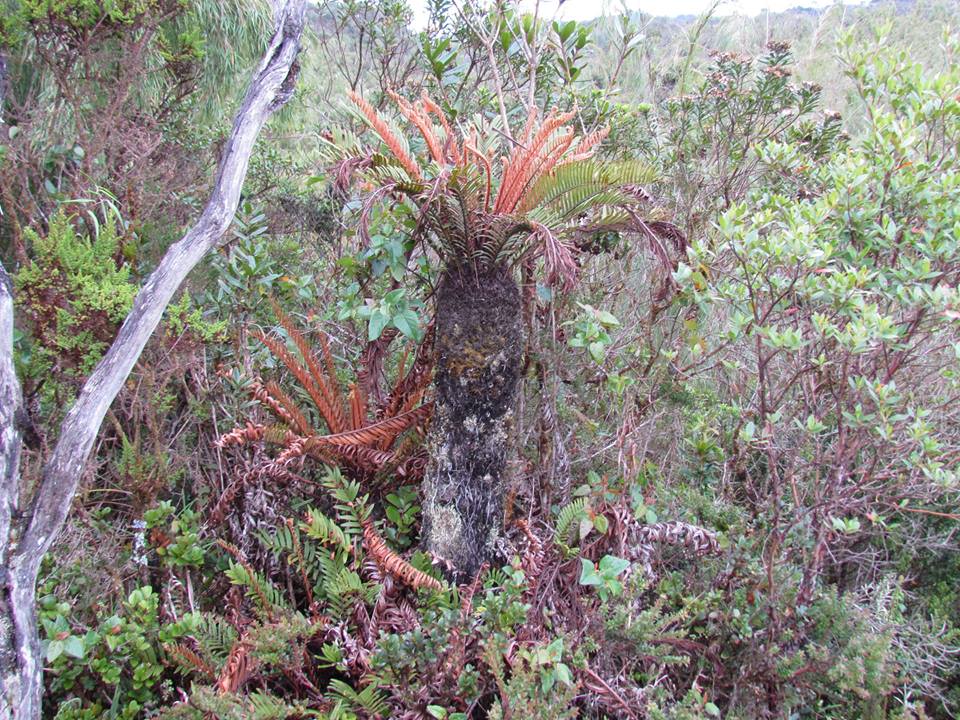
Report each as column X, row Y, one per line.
column 25, row 539
column 479, row 343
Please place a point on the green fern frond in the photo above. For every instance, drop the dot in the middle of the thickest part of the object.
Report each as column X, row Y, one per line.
column 369, row 700
column 215, row 638
column 268, row 707
column 568, row 518
column 265, row 595
column 324, row 530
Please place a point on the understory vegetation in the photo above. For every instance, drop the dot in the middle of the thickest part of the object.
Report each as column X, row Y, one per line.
column 549, row 369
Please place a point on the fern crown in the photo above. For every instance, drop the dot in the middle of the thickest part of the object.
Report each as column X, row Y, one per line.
column 482, row 207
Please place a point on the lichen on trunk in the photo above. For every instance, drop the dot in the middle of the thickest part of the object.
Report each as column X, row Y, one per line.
column 479, row 344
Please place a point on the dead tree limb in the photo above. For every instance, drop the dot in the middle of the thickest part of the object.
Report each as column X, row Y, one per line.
column 26, row 537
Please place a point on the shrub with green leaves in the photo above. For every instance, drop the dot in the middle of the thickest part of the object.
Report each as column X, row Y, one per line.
column 74, row 294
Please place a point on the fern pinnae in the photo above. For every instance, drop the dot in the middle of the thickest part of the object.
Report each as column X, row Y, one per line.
column 571, row 513
column 299, row 421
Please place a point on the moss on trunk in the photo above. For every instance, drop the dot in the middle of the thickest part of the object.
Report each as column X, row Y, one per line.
column 479, row 345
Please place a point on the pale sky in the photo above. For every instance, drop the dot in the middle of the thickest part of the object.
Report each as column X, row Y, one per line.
column 588, row 9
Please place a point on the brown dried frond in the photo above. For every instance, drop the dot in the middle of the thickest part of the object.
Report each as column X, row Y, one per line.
column 219, row 511
column 372, row 434
column 386, row 134
column 532, row 560
column 393, row 564
column 237, row 670
column 296, row 449
column 242, row 435
column 557, row 258
column 189, row 661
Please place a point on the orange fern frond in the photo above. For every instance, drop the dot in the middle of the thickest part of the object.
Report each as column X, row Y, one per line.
column 391, row 563
column 330, row 387
column 315, row 385
column 525, row 160
column 586, row 147
column 358, row 407
column 372, row 434
column 415, row 113
column 386, row 134
column 548, row 160
column 531, row 123
column 242, row 435
column 334, row 384
column 189, row 659
column 432, row 107
column 300, row 423
column 237, row 670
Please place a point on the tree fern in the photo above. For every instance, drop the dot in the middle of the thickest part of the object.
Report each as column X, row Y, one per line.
column 483, row 210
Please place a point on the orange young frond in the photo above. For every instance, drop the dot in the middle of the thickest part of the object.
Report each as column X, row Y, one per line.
column 358, row 407
column 330, row 389
column 550, row 157
column 520, row 164
column 386, row 134
column 432, row 107
column 586, row 147
column 410, row 388
column 315, row 385
column 415, row 113
column 334, row 384
column 393, row 564
column 530, row 124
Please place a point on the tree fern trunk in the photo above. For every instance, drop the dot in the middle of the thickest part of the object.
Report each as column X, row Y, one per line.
column 479, row 344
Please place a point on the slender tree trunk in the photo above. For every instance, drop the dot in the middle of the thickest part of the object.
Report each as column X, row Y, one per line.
column 479, row 342
column 27, row 530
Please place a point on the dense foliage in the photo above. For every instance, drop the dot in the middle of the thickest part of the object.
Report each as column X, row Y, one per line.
column 731, row 469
